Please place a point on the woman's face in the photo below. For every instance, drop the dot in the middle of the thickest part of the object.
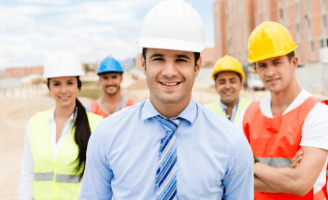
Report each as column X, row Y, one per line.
column 64, row 90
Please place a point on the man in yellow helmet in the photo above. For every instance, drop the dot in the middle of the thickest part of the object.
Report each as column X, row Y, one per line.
column 229, row 78
column 288, row 121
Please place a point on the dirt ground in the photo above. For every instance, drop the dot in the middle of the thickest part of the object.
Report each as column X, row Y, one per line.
column 18, row 106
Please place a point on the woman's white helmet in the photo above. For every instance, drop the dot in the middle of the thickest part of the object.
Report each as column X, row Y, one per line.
column 62, row 63
column 175, row 25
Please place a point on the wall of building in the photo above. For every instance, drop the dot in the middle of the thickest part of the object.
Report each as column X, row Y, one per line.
column 21, row 72
column 18, row 72
column 208, row 57
column 307, row 21
column 311, row 77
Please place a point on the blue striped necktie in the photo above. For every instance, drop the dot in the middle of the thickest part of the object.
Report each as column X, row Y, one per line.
column 166, row 179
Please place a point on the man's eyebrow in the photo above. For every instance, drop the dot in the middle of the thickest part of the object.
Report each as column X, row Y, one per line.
column 276, row 60
column 156, row 55
column 183, row 56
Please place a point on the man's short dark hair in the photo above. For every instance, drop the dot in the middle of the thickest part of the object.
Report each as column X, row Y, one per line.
column 290, row 55
column 99, row 74
column 238, row 74
column 197, row 55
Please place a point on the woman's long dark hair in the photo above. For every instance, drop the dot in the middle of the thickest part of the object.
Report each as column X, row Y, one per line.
column 82, row 130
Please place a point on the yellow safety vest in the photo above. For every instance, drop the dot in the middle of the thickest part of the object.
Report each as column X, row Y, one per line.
column 55, row 179
column 215, row 106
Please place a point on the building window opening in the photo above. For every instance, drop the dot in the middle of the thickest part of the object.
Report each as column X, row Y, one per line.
column 312, row 46
column 281, row 13
column 324, row 21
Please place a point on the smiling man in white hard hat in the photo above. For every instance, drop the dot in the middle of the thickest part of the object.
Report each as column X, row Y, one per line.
column 169, row 146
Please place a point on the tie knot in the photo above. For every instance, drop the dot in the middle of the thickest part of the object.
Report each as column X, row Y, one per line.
column 169, row 124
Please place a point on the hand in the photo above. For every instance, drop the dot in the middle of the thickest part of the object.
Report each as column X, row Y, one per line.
column 297, row 159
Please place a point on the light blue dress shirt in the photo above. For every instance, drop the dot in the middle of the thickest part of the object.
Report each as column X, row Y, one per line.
column 214, row 159
column 234, row 109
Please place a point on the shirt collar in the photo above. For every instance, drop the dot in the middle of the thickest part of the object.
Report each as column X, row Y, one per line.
column 189, row 113
column 224, row 107
column 70, row 119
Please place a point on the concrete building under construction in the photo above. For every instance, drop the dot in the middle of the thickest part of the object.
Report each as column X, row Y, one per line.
column 234, row 20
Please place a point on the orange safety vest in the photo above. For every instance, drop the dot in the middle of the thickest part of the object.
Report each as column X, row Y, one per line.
column 275, row 141
column 96, row 109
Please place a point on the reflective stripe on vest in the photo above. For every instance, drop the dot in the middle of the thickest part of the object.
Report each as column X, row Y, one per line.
column 96, row 108
column 47, row 176
column 215, row 106
column 55, row 179
column 63, row 178
column 60, row 178
column 276, row 162
column 275, row 141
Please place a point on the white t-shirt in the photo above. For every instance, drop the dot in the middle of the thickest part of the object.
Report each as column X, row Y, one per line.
column 27, row 170
column 314, row 130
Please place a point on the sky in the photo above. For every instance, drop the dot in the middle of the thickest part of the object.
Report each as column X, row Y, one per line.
column 31, row 30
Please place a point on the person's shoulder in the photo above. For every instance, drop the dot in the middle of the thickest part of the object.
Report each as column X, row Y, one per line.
column 117, row 123
column 208, row 112
column 320, row 109
column 132, row 100
column 41, row 114
column 124, row 114
column 216, row 121
column 94, row 118
column 211, row 105
column 245, row 101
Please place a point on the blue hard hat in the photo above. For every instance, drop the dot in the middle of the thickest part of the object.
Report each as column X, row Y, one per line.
column 109, row 65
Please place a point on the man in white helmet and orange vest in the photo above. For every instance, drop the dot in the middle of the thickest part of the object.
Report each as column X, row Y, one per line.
column 287, row 121
column 229, row 79
column 110, row 75
column 169, row 146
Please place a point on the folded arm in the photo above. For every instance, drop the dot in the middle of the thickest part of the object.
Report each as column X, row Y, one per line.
column 297, row 180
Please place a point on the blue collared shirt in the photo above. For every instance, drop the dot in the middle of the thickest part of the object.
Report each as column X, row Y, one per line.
column 234, row 109
column 212, row 154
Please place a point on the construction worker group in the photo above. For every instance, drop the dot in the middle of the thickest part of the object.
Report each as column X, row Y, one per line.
column 169, row 146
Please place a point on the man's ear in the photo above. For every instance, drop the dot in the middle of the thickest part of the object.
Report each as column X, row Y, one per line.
column 254, row 66
column 143, row 64
column 198, row 65
column 294, row 62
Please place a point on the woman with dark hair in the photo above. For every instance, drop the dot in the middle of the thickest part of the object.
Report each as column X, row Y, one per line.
column 56, row 140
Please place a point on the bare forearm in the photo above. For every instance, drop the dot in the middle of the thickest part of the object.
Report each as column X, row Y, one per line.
column 279, row 179
column 261, row 186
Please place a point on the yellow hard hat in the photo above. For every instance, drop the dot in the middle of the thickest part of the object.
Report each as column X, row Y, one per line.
column 228, row 63
column 269, row 40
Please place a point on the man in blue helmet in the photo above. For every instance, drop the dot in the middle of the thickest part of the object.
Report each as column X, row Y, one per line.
column 110, row 75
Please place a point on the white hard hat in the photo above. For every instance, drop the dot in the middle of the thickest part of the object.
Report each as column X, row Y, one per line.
column 62, row 63
column 173, row 24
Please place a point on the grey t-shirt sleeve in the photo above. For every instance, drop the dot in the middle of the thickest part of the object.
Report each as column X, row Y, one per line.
column 87, row 108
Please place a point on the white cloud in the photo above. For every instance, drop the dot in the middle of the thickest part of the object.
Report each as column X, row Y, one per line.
column 51, row 2
column 92, row 30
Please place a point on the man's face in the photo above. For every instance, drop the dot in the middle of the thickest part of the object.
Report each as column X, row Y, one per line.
column 111, row 83
column 170, row 74
column 228, row 85
column 276, row 73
